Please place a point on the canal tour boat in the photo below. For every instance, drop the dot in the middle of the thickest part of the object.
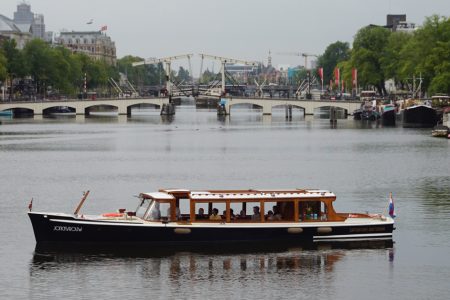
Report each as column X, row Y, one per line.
column 268, row 216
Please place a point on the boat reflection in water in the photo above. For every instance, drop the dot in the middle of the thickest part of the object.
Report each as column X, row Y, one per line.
column 198, row 263
column 196, row 258
column 166, row 272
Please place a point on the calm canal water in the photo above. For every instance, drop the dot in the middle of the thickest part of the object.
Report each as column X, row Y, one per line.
column 54, row 160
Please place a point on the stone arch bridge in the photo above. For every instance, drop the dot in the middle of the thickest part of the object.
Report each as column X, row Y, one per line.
column 307, row 106
column 83, row 107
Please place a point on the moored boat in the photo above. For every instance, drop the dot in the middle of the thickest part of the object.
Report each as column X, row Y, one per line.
column 388, row 115
column 419, row 116
column 6, row 113
column 367, row 112
column 440, row 131
column 175, row 216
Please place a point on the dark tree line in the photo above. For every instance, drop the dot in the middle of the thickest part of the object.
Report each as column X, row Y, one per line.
column 379, row 54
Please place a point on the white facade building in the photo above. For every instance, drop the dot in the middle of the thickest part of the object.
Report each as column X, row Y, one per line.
column 94, row 44
column 20, row 33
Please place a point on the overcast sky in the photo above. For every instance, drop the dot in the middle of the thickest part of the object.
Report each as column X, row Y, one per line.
column 244, row 29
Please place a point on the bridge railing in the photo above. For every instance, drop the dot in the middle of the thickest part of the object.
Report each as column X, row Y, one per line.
column 49, row 100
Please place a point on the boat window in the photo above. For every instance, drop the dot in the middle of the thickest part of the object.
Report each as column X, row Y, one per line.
column 221, row 207
column 142, row 208
column 236, row 207
column 206, row 207
column 250, row 212
column 201, row 211
column 312, row 210
column 165, row 210
column 272, row 211
column 286, row 209
column 183, row 209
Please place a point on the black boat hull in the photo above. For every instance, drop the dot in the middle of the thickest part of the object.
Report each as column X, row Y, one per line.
column 357, row 114
column 419, row 117
column 59, row 228
column 388, row 118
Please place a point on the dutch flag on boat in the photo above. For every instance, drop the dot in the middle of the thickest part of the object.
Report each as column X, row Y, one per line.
column 391, row 206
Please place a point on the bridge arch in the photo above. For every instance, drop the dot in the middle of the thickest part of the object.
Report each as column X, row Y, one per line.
column 245, row 105
column 58, row 109
column 290, row 106
column 341, row 110
column 143, row 105
column 101, row 108
column 19, row 110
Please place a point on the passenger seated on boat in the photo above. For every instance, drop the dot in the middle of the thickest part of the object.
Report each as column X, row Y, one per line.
column 256, row 215
column 155, row 214
column 232, row 216
column 241, row 215
column 276, row 214
column 215, row 215
column 269, row 216
column 201, row 214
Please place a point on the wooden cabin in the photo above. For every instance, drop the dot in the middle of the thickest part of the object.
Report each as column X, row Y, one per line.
column 299, row 205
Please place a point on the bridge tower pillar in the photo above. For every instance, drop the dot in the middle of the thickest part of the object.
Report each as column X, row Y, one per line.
column 122, row 109
column 309, row 108
column 267, row 108
column 39, row 110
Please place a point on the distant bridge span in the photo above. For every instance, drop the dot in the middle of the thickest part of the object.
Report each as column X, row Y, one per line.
column 82, row 107
column 307, row 105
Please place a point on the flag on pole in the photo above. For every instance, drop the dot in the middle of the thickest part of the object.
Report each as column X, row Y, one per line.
column 337, row 76
column 320, row 71
column 30, row 205
column 355, row 77
column 104, row 28
column 391, row 206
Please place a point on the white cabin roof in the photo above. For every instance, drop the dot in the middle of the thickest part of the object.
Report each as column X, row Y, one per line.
column 158, row 196
column 261, row 195
column 177, row 190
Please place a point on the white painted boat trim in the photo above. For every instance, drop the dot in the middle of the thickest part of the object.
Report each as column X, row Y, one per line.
column 346, row 237
column 215, row 225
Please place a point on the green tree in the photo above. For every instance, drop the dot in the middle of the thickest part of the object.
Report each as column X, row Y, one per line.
column 427, row 53
column 207, row 77
column 3, row 67
column 39, row 58
column 392, row 58
column 15, row 62
column 334, row 54
column 60, row 74
column 368, row 49
column 134, row 74
column 140, row 76
column 75, row 75
column 345, row 68
column 183, row 75
column 97, row 72
column 299, row 76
